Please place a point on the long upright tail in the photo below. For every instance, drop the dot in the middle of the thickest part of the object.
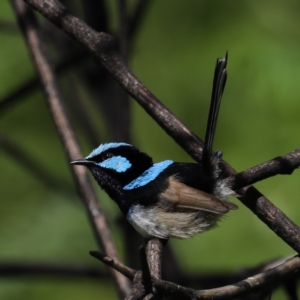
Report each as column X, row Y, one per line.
column 209, row 158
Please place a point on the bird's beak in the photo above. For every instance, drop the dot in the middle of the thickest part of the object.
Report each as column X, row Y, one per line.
column 81, row 162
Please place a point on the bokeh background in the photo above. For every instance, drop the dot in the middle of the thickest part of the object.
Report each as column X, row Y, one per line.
column 174, row 55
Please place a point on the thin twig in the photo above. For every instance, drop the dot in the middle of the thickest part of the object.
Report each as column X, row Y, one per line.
column 151, row 263
column 126, row 271
column 285, row 164
column 140, row 280
column 42, row 64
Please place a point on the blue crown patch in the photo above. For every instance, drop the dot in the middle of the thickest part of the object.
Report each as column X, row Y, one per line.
column 104, row 147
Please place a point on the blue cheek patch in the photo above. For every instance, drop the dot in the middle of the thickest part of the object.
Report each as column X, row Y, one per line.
column 118, row 163
column 148, row 175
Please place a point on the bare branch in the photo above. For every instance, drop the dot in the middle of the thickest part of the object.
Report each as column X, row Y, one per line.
column 126, row 271
column 154, row 249
column 138, row 288
column 141, row 281
column 246, row 286
column 279, row 165
column 151, row 258
column 42, row 64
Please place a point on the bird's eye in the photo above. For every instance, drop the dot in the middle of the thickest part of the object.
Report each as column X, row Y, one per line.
column 107, row 155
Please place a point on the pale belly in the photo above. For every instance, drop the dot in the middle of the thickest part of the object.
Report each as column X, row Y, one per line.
column 155, row 222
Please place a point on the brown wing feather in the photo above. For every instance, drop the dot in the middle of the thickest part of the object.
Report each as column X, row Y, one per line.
column 180, row 196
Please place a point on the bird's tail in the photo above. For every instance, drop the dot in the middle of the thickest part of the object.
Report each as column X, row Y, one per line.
column 210, row 159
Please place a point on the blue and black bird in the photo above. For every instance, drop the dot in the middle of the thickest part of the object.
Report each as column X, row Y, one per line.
column 166, row 199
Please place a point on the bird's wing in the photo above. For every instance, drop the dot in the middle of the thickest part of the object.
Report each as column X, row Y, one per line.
column 180, row 196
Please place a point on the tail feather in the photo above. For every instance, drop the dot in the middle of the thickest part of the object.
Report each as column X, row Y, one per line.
column 209, row 159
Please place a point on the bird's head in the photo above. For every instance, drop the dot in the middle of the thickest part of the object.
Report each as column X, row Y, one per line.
column 114, row 165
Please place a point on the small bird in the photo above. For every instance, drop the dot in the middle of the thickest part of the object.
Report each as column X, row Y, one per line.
column 166, row 199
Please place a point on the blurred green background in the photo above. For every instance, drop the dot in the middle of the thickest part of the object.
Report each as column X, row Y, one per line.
column 174, row 56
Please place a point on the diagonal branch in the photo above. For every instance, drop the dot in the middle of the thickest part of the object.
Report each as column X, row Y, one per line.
column 102, row 47
column 139, row 279
column 126, row 271
column 51, row 88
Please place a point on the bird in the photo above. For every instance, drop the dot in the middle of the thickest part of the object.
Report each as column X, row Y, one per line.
column 166, row 199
